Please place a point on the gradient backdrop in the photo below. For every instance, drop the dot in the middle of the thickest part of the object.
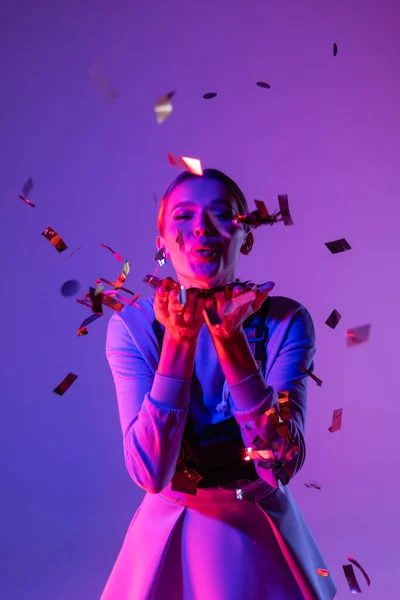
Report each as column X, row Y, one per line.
column 326, row 133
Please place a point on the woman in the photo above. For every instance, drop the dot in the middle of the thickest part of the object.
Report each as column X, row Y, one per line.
column 198, row 380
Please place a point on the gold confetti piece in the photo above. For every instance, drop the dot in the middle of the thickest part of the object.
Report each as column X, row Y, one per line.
column 103, row 83
column 351, row 579
column 335, row 49
column 333, row 319
column 65, row 384
column 117, row 256
column 357, row 335
column 313, row 484
column 54, row 239
column 363, row 571
column 26, row 190
column 310, row 374
column 193, row 165
column 163, row 107
column 123, row 275
column 338, row 246
column 83, row 327
column 336, row 420
column 323, row 572
column 263, row 84
column 209, row 95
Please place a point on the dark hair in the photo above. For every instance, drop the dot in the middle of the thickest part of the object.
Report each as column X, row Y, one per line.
column 208, row 174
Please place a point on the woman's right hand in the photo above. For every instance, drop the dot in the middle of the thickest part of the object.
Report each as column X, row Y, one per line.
column 181, row 322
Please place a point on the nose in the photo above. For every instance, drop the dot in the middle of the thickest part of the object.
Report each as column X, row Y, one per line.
column 203, row 225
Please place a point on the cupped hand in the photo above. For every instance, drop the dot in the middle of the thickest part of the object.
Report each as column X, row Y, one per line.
column 183, row 322
column 233, row 306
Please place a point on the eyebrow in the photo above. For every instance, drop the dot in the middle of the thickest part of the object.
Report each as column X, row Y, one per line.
column 213, row 202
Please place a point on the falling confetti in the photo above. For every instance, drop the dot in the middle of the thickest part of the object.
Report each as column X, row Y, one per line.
column 333, row 319
column 70, row 288
column 193, row 165
column 54, row 239
column 155, row 198
column 313, row 484
column 209, row 95
column 117, row 256
column 83, row 327
column 338, row 246
column 335, row 49
column 363, row 571
column 263, row 84
column 123, row 275
column 323, row 572
column 351, row 579
column 103, row 83
column 284, row 209
column 26, row 190
column 123, row 289
column 310, row 374
column 357, row 335
column 336, row 420
column 65, row 384
column 163, row 107
column 96, row 298
column 73, row 253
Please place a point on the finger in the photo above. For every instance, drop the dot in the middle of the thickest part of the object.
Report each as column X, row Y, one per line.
column 262, row 294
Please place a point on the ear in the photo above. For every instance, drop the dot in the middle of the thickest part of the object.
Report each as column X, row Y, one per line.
column 247, row 244
column 160, row 243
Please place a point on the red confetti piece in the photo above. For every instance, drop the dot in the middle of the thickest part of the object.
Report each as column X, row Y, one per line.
column 351, row 579
column 193, row 165
column 336, row 420
column 65, row 384
column 333, row 319
column 323, row 572
column 54, row 239
column 73, row 253
column 117, row 256
column 83, row 327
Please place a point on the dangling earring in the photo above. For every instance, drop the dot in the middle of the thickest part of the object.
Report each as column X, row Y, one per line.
column 161, row 257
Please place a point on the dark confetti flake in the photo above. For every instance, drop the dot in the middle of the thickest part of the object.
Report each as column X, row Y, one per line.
column 351, row 579
column 311, row 374
column 209, row 95
column 65, row 384
column 70, row 288
column 335, row 49
column 263, row 84
column 338, row 246
column 96, row 297
column 363, row 571
column 54, row 239
column 117, row 256
column 83, row 327
column 313, row 484
column 333, row 319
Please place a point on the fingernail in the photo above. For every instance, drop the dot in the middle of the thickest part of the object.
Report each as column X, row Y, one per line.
column 269, row 285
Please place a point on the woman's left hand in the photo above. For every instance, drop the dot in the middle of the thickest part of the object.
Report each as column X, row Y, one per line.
column 234, row 307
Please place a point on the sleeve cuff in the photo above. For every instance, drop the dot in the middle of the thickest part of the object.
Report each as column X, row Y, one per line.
column 251, row 397
column 169, row 391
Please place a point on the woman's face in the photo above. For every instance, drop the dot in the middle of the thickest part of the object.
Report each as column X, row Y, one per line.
column 199, row 237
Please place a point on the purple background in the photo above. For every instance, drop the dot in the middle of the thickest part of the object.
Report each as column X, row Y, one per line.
column 326, row 133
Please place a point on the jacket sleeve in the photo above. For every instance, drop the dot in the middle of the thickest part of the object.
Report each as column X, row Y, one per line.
column 255, row 400
column 152, row 410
